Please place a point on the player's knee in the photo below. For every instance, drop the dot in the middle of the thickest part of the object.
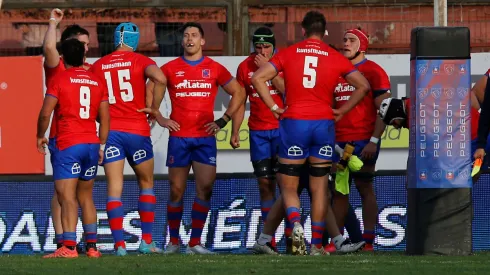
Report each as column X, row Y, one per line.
column 67, row 197
column 319, row 169
column 176, row 192
column 85, row 202
column 204, row 192
column 293, row 170
column 267, row 189
column 145, row 182
column 84, row 196
column 264, row 168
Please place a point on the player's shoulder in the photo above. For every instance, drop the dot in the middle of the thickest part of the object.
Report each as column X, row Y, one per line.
column 172, row 63
column 62, row 74
column 211, row 63
column 370, row 65
column 333, row 53
column 100, row 61
column 93, row 76
column 247, row 62
column 138, row 56
column 293, row 47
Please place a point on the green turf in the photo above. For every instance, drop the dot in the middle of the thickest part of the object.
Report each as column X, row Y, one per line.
column 379, row 263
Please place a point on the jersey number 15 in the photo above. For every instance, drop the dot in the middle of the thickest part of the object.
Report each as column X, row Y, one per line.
column 124, row 86
column 309, row 72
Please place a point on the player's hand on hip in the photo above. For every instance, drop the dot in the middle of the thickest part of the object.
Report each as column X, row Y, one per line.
column 369, row 151
column 41, row 145
column 168, row 123
column 479, row 154
column 235, row 140
column 56, row 14
column 260, row 60
column 337, row 114
column 277, row 113
column 149, row 111
column 101, row 156
column 212, row 128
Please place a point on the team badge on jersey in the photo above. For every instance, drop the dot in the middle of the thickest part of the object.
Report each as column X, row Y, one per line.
column 206, row 73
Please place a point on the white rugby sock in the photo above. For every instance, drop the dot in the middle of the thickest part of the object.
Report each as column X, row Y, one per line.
column 264, row 238
column 337, row 241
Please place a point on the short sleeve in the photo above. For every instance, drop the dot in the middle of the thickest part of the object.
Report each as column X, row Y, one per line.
column 278, row 60
column 488, row 73
column 224, row 76
column 105, row 92
column 145, row 62
column 165, row 70
column 53, row 88
column 379, row 80
column 344, row 65
column 239, row 75
column 50, row 73
column 92, row 68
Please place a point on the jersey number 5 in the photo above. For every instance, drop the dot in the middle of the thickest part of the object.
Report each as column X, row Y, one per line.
column 124, row 86
column 85, row 102
column 309, row 72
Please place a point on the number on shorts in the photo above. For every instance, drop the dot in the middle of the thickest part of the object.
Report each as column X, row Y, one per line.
column 124, row 86
column 309, row 72
column 85, row 102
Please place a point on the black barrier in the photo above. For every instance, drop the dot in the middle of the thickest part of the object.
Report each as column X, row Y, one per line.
column 439, row 162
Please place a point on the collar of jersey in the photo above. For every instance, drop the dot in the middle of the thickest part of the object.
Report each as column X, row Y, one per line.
column 192, row 63
column 75, row 69
column 360, row 63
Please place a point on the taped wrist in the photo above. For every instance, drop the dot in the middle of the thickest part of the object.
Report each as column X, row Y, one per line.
column 221, row 122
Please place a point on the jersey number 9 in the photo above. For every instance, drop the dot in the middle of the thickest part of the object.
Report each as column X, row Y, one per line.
column 85, row 102
column 309, row 72
column 124, row 86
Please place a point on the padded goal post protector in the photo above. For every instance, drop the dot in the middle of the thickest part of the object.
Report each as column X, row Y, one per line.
column 439, row 164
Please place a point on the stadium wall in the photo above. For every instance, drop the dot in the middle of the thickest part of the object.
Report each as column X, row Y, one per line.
column 394, row 150
column 232, row 225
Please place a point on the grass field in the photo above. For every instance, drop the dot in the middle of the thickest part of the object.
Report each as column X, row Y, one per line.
column 377, row 263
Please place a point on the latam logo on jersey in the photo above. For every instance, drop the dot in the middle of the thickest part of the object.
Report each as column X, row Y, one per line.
column 345, row 89
column 193, row 84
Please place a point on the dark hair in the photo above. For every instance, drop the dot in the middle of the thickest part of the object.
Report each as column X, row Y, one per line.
column 72, row 31
column 73, row 52
column 193, row 25
column 314, row 23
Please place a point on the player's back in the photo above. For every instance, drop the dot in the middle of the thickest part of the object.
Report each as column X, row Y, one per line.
column 124, row 74
column 49, row 74
column 311, row 69
column 79, row 95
